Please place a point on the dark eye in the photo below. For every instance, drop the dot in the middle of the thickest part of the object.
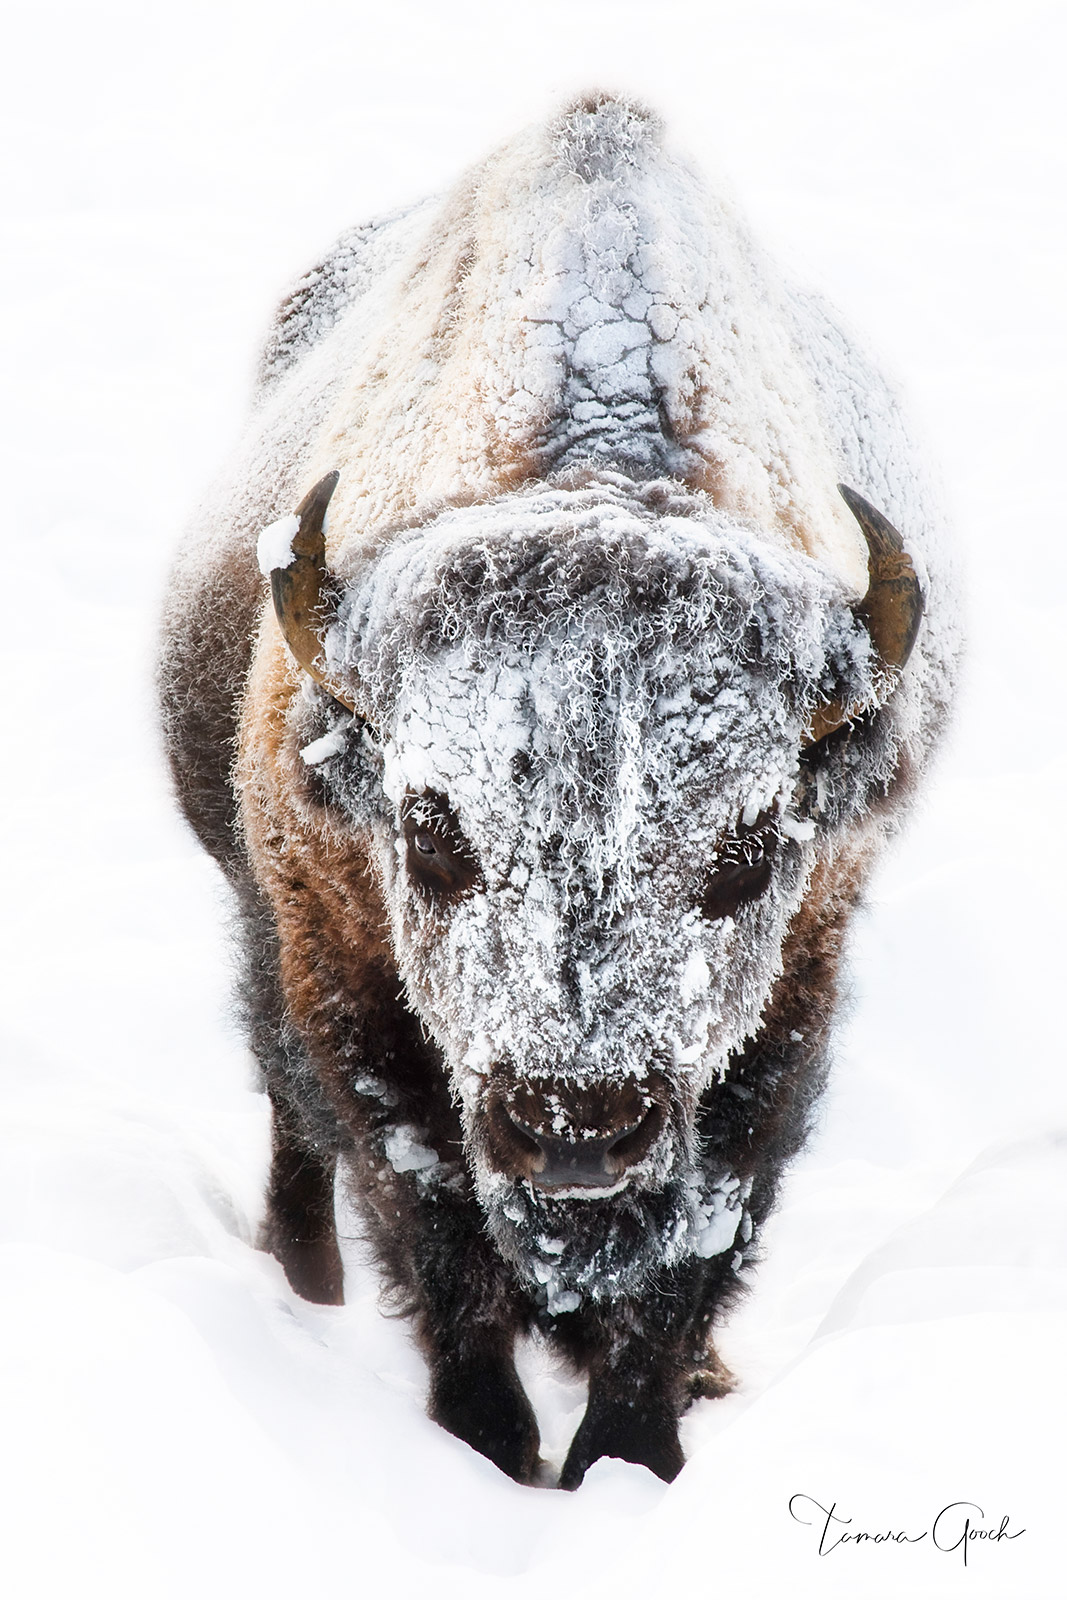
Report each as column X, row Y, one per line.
column 440, row 862
column 742, row 871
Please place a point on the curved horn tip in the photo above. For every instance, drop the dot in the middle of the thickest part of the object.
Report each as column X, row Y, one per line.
column 319, row 493
column 310, row 540
column 876, row 528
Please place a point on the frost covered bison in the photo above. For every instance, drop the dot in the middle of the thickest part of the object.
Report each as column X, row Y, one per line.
column 549, row 761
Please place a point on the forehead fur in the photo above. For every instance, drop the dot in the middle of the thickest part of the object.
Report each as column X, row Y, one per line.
column 616, row 583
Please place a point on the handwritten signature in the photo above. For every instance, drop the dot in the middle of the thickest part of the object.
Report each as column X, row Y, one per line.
column 957, row 1527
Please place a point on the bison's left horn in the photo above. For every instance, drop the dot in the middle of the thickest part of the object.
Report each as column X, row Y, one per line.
column 891, row 610
column 298, row 589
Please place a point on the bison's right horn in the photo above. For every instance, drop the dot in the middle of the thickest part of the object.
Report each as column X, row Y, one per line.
column 891, row 610
column 298, row 589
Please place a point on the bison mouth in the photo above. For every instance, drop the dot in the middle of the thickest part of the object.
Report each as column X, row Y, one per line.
column 570, row 1246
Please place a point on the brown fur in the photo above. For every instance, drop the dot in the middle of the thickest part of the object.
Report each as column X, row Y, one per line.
column 202, row 680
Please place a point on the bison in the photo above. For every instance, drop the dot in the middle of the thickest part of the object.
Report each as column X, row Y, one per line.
column 586, row 678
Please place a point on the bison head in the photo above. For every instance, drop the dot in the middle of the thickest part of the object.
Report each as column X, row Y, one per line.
column 576, row 747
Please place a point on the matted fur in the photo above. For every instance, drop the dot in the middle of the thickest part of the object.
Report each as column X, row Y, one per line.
column 592, row 576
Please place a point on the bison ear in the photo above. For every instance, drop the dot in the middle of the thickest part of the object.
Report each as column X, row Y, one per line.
column 891, row 610
column 300, row 589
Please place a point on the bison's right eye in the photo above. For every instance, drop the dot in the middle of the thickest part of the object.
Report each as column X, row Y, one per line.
column 440, row 862
column 742, row 872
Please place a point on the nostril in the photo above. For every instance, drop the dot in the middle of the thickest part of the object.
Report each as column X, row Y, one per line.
column 634, row 1143
column 536, row 1141
column 533, row 1143
column 513, row 1146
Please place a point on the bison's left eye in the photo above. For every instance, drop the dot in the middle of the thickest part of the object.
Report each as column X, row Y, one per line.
column 440, row 862
column 742, row 871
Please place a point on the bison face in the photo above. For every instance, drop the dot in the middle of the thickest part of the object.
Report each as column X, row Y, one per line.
column 588, row 723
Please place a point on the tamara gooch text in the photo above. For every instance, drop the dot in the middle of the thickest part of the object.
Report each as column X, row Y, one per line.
column 958, row 1527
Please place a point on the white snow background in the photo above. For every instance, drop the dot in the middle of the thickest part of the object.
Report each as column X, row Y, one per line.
column 175, row 1421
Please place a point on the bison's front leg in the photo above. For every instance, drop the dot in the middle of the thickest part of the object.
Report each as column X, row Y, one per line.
column 632, row 1415
column 649, row 1359
column 299, row 1228
column 467, row 1324
column 475, row 1394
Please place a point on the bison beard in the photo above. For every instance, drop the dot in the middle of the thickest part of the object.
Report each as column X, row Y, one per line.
column 548, row 775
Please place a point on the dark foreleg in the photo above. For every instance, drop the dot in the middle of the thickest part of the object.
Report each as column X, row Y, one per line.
column 475, row 1394
column 467, row 1318
column 299, row 1227
column 632, row 1415
column 647, row 1361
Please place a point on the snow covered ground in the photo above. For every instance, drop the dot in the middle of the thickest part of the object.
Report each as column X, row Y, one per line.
column 175, row 1422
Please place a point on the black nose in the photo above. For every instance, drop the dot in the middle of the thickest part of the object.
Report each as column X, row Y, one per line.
column 579, row 1163
column 600, row 1160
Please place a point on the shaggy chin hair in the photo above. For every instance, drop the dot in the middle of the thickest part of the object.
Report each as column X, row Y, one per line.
column 594, row 1249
